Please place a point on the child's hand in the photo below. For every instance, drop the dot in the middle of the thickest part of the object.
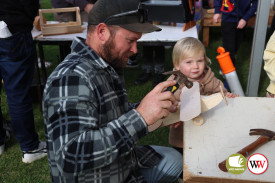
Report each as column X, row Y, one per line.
column 241, row 24
column 231, row 95
column 177, row 124
column 216, row 17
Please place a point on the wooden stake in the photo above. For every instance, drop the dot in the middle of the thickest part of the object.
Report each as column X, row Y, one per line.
column 223, row 95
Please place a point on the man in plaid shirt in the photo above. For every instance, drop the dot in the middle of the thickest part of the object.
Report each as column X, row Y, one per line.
column 91, row 129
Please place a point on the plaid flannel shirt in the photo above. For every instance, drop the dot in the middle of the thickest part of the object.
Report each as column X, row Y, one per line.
column 91, row 129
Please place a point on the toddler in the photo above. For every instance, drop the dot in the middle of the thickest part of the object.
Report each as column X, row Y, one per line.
column 190, row 58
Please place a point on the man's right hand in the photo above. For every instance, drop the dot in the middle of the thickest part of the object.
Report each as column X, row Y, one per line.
column 158, row 104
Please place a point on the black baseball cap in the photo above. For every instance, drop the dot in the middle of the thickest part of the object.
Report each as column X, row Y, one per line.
column 124, row 13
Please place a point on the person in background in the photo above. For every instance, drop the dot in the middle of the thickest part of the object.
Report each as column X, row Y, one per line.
column 85, row 7
column 189, row 58
column 153, row 57
column 91, row 129
column 235, row 15
column 199, row 5
column 17, row 58
column 208, row 4
column 198, row 14
column 269, row 65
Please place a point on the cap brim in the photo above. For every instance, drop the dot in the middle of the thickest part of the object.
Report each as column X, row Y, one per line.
column 141, row 27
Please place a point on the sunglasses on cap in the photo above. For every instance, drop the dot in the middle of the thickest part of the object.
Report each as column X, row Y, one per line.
column 141, row 14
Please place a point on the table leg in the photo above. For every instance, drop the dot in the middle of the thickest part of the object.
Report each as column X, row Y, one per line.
column 42, row 62
column 206, row 31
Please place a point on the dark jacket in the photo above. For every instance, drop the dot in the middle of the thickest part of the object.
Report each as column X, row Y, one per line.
column 19, row 14
column 234, row 10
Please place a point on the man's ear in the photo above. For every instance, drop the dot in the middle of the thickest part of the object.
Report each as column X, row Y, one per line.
column 103, row 32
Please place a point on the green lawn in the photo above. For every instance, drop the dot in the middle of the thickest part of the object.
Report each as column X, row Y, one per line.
column 12, row 170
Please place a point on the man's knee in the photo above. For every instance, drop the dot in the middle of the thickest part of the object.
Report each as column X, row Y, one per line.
column 172, row 160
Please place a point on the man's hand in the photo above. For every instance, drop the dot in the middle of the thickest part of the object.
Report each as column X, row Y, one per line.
column 158, row 104
column 241, row 24
column 216, row 17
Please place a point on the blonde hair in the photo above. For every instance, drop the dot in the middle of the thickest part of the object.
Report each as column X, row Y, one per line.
column 186, row 48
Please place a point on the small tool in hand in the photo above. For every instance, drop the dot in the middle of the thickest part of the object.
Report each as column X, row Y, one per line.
column 266, row 135
column 180, row 78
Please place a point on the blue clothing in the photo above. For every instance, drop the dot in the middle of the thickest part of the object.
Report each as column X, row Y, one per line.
column 91, row 129
column 17, row 56
column 234, row 10
column 167, row 170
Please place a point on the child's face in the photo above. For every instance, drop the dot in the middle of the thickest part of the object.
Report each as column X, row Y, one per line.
column 192, row 67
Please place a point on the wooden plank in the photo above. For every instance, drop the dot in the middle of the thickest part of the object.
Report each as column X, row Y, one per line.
column 57, row 30
column 58, row 10
column 217, row 180
column 208, row 22
column 225, row 132
column 60, row 24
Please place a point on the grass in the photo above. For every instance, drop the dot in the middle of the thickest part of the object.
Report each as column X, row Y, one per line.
column 12, row 170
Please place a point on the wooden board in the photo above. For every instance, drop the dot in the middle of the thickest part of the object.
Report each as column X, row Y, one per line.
column 225, row 132
column 207, row 103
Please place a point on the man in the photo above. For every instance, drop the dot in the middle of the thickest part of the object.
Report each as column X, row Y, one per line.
column 17, row 58
column 91, row 129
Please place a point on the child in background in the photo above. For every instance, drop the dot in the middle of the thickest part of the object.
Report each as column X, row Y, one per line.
column 190, row 58
column 198, row 14
column 234, row 17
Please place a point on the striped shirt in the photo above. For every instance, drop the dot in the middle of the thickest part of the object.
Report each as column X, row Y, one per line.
column 91, row 129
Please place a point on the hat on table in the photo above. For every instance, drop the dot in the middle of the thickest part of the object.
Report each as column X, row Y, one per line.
column 124, row 13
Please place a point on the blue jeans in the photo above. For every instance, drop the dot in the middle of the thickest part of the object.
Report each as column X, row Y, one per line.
column 168, row 170
column 17, row 56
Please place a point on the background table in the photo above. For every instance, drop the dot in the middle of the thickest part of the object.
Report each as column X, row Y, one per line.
column 167, row 37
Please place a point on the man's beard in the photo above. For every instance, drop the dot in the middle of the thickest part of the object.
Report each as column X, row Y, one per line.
column 116, row 62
